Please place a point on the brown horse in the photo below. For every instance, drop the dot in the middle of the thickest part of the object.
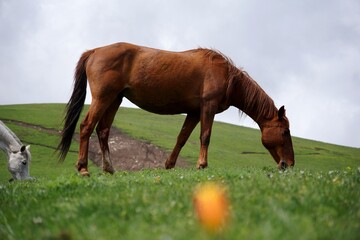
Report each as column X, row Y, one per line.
column 199, row 82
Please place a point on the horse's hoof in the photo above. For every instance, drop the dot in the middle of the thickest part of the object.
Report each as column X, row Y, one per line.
column 111, row 171
column 84, row 173
column 169, row 166
column 201, row 166
column 108, row 169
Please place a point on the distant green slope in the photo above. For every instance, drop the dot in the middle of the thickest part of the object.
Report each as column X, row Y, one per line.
column 231, row 146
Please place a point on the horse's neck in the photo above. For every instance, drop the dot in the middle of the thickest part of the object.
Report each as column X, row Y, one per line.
column 251, row 99
column 8, row 142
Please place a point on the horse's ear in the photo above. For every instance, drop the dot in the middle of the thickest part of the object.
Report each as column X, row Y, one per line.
column 281, row 113
column 28, row 147
column 22, row 148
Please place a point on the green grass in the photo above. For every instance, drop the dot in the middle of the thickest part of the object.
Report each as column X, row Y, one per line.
column 318, row 199
column 157, row 204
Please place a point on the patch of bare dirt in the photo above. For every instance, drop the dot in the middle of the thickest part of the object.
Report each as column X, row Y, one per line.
column 127, row 153
column 130, row 154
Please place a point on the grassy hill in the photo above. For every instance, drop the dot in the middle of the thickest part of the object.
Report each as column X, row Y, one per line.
column 318, row 199
column 231, row 146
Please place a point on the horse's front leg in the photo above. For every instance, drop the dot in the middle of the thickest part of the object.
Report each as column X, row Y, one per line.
column 190, row 123
column 207, row 119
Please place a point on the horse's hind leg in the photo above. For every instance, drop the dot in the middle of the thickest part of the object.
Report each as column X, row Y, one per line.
column 86, row 128
column 190, row 123
column 95, row 113
column 103, row 130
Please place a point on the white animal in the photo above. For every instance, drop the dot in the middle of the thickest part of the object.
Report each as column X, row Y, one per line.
column 19, row 156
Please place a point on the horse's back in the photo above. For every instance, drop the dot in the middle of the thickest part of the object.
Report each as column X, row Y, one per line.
column 111, row 57
column 145, row 55
column 156, row 80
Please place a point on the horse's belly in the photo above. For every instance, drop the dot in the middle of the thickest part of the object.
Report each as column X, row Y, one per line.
column 163, row 101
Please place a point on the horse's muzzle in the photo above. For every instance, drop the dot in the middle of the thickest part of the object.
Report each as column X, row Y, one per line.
column 282, row 165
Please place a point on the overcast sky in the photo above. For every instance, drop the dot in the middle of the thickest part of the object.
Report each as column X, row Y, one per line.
column 305, row 54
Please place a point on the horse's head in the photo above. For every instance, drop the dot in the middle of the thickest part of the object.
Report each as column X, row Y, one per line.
column 19, row 162
column 277, row 139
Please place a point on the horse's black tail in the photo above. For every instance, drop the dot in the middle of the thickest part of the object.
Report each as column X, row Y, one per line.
column 74, row 106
